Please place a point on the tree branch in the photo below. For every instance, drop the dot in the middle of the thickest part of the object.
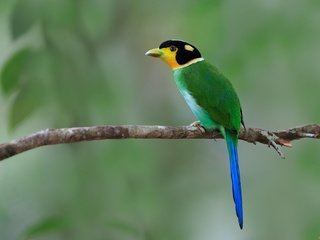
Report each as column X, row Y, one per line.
column 79, row 134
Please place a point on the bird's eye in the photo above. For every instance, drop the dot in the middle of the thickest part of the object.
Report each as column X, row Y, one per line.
column 173, row 48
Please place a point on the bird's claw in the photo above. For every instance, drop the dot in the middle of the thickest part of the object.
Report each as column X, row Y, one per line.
column 198, row 125
column 272, row 142
column 195, row 124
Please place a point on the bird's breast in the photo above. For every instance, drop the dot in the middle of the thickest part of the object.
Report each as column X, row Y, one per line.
column 200, row 113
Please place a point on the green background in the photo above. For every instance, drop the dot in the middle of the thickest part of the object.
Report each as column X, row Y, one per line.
column 67, row 63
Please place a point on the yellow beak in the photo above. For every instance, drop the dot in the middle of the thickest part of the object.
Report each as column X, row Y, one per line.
column 155, row 52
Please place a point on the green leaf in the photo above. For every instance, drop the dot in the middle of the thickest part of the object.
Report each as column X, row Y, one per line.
column 29, row 75
column 12, row 71
column 26, row 102
column 22, row 18
column 45, row 226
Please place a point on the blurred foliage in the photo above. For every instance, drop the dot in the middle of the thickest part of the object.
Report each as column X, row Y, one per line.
column 68, row 63
column 45, row 226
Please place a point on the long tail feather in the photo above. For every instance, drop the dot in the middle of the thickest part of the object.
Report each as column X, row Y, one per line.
column 235, row 176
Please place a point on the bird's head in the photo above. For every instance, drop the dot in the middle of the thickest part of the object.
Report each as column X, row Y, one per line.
column 176, row 53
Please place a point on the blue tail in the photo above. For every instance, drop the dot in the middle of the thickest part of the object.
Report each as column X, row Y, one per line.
column 235, row 176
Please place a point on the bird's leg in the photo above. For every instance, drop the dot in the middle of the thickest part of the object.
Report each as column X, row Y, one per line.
column 198, row 125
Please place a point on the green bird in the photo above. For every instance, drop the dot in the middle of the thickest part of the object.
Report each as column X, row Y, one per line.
column 211, row 97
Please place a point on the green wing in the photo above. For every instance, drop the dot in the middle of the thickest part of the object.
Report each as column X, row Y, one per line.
column 214, row 93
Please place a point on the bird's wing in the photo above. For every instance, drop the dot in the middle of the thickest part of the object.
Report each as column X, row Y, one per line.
column 215, row 94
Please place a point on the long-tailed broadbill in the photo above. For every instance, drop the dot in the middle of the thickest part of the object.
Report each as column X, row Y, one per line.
column 211, row 97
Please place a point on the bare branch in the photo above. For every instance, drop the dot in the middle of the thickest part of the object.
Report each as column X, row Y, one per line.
column 79, row 134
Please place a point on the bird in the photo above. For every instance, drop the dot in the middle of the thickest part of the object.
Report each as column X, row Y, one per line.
column 212, row 99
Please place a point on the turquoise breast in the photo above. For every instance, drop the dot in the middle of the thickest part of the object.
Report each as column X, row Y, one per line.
column 197, row 110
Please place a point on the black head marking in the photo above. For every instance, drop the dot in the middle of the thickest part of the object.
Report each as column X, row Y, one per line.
column 185, row 51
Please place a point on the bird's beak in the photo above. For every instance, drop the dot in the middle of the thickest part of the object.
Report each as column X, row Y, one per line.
column 155, row 52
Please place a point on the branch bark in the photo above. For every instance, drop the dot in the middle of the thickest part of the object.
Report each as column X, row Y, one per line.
column 80, row 134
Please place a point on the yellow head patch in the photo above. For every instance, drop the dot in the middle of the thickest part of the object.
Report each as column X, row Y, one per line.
column 169, row 57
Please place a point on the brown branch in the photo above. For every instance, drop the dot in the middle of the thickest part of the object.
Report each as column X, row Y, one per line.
column 79, row 134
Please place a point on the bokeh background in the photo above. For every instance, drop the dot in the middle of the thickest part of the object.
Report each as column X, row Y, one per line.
column 68, row 63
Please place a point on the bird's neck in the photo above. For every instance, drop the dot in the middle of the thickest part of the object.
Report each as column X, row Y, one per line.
column 193, row 61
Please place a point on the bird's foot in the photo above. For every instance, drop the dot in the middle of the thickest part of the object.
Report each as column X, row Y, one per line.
column 198, row 125
column 195, row 124
column 272, row 142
